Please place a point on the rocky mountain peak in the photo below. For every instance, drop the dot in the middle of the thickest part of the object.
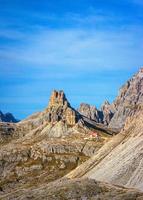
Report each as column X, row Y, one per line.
column 107, row 112
column 115, row 114
column 58, row 98
column 90, row 112
column 141, row 72
column 59, row 109
column 130, row 96
column 106, row 104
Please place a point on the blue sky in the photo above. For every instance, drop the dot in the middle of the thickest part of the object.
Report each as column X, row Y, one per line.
column 88, row 48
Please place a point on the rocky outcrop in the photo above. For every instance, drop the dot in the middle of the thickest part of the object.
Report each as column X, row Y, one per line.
column 7, row 117
column 114, row 115
column 107, row 112
column 103, row 116
column 57, row 120
column 91, row 112
column 58, row 99
column 130, row 96
column 59, row 109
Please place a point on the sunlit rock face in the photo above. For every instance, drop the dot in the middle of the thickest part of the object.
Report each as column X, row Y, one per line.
column 130, row 96
column 58, row 99
column 59, row 109
column 114, row 115
column 57, row 120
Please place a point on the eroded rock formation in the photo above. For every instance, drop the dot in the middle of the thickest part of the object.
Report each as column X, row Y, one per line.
column 130, row 96
column 91, row 112
column 59, row 109
column 114, row 115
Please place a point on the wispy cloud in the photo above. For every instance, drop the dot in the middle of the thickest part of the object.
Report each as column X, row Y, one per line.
column 78, row 49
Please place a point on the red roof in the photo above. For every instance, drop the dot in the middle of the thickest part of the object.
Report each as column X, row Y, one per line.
column 94, row 134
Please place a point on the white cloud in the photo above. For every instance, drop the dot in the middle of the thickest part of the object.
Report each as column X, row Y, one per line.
column 78, row 49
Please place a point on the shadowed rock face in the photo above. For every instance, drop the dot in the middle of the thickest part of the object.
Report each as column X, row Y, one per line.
column 7, row 117
column 91, row 112
column 107, row 112
column 103, row 116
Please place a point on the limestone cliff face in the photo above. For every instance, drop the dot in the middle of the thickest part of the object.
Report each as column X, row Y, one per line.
column 58, row 99
column 114, row 115
column 103, row 116
column 90, row 112
column 59, row 109
column 130, row 96
column 107, row 111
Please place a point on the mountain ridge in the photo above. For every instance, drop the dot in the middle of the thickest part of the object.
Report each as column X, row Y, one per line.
column 114, row 115
column 7, row 117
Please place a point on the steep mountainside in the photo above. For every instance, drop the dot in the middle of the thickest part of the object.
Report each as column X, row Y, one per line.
column 130, row 96
column 7, row 117
column 114, row 115
column 119, row 161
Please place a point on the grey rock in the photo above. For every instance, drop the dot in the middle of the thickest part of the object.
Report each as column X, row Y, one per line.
column 130, row 96
column 114, row 115
column 90, row 112
column 107, row 112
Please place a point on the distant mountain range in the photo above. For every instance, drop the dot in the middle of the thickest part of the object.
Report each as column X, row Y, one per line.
column 7, row 117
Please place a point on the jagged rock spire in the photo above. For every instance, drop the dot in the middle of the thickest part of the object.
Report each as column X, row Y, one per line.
column 58, row 98
column 59, row 109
